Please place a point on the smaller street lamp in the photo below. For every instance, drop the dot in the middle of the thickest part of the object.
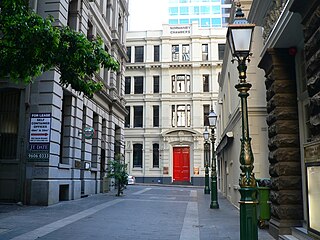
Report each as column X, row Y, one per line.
column 214, row 191
column 206, row 161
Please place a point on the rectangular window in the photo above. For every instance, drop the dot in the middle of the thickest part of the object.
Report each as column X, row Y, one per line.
column 138, row 85
column 127, row 87
column 138, row 54
column 205, row 22
column 181, row 115
column 127, row 119
column 173, row 11
column 138, row 116
column 205, row 79
column 221, row 48
column 137, row 155
column 155, row 84
column 129, row 54
column 205, row 52
column 205, row 10
column 156, row 116
column 156, row 53
column 155, row 151
column 185, row 52
column 180, row 83
column 175, row 52
column 184, row 10
column 205, row 115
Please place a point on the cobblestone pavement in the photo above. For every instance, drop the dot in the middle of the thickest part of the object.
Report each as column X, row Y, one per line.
column 143, row 213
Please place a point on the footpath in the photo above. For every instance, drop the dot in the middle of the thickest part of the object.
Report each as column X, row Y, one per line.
column 144, row 213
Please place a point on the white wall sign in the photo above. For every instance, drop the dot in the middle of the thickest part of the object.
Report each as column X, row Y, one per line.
column 40, row 125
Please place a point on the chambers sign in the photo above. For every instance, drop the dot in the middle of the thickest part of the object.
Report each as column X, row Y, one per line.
column 180, row 29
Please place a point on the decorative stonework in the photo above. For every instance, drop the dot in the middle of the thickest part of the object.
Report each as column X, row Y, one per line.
column 310, row 13
column 284, row 153
column 272, row 16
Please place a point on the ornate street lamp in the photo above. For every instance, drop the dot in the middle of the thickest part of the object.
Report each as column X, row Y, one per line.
column 239, row 37
column 206, row 161
column 214, row 191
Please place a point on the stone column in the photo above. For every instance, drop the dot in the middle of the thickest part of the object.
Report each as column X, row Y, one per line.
column 283, row 133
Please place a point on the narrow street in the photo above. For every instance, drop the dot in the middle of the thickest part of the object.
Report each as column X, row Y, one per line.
column 143, row 213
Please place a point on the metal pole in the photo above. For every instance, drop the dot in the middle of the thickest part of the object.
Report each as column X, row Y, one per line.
column 247, row 181
column 206, row 163
column 214, row 191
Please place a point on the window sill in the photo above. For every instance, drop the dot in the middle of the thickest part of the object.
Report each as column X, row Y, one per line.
column 64, row 166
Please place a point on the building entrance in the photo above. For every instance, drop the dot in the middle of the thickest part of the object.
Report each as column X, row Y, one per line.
column 181, row 164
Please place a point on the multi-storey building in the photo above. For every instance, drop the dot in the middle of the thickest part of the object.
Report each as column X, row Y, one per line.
column 62, row 161
column 170, row 86
column 207, row 13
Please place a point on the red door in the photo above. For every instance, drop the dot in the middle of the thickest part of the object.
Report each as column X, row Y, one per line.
column 181, row 164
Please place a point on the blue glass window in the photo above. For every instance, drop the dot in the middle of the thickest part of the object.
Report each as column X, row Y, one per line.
column 216, row 22
column 184, row 11
column 184, row 21
column 173, row 11
column 195, row 10
column 183, row 1
column 216, row 9
column 205, row 22
column 173, row 21
column 194, row 1
column 194, row 20
column 205, row 10
column 215, row 0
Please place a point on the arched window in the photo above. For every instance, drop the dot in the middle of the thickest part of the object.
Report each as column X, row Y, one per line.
column 155, row 148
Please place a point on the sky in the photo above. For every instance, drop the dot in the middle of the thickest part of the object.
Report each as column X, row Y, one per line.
column 147, row 14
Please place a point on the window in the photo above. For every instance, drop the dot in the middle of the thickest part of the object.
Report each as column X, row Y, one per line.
column 184, row 21
column 138, row 54
column 129, row 54
column 184, row 11
column 192, row 20
column 155, row 84
column 181, row 115
column 173, row 21
column 205, row 79
column 185, row 52
column 204, row 10
column 221, row 50
column 205, row 115
column 180, row 83
column 173, row 11
column 175, row 52
column 156, row 53
column 216, row 9
column 156, row 116
column 127, row 118
column 205, row 22
column 204, row 52
column 195, row 10
column 9, row 122
column 155, row 151
column 137, row 155
column 127, row 85
column 138, row 85
column 216, row 22
column 138, row 116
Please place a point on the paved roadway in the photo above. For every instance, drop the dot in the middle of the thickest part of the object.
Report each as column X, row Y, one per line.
column 143, row 213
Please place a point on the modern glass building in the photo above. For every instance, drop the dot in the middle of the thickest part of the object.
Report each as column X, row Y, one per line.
column 208, row 13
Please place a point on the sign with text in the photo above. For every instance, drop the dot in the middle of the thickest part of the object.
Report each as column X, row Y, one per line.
column 39, row 139
column 40, row 125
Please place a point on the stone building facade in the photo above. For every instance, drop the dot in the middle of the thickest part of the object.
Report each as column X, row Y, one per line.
column 290, row 60
column 171, row 84
column 65, row 162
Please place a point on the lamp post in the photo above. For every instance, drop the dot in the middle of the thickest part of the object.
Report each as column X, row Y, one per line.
column 214, row 191
column 206, row 161
column 239, row 37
